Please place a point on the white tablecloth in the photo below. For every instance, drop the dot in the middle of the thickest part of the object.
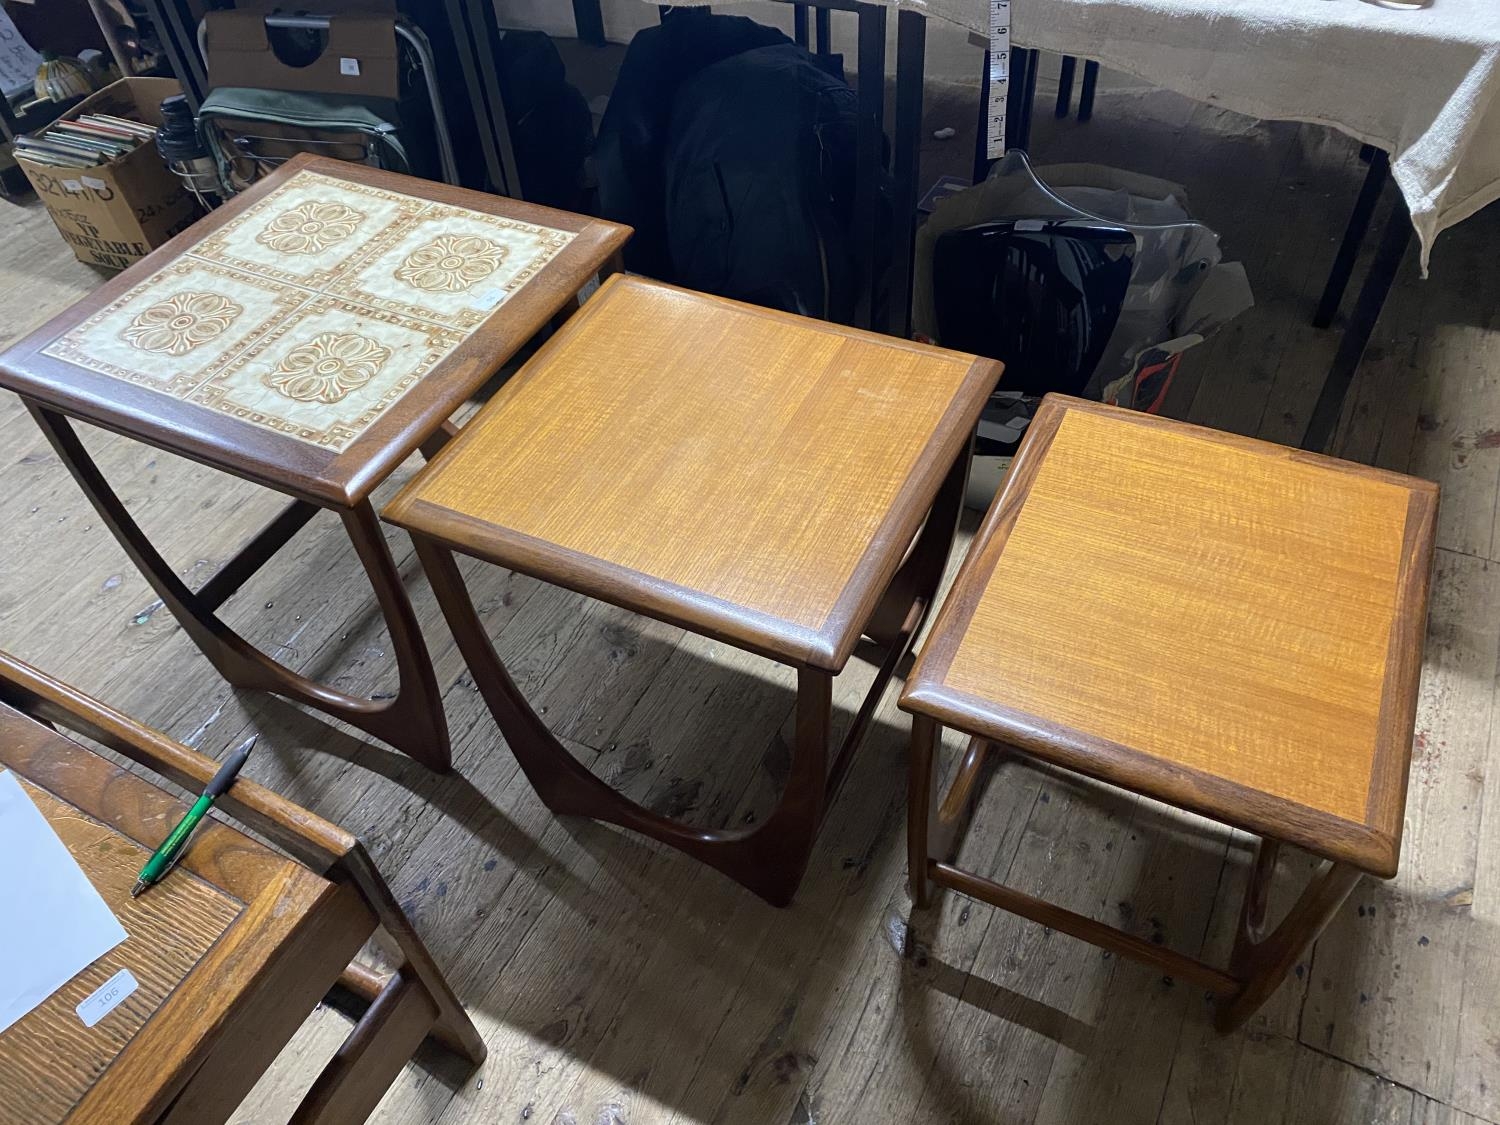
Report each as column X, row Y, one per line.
column 1423, row 85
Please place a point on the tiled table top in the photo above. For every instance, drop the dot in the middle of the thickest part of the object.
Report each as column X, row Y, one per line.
column 313, row 311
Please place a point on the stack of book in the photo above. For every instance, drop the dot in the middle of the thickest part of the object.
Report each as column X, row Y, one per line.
column 85, row 141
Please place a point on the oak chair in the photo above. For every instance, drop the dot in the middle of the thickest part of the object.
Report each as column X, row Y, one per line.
column 232, row 950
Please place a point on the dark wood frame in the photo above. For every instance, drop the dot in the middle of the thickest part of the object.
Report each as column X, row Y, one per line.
column 399, row 1010
column 771, row 858
column 55, row 391
column 1259, row 963
column 1261, row 959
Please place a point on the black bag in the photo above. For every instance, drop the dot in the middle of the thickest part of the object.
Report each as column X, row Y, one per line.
column 551, row 128
column 759, row 202
column 630, row 157
column 732, row 152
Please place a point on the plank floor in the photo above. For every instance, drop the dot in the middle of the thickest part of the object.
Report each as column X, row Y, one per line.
column 619, row 984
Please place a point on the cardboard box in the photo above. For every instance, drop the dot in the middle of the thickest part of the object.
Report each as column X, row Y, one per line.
column 360, row 56
column 114, row 214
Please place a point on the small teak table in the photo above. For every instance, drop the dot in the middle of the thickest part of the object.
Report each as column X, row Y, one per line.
column 752, row 476
column 309, row 335
column 1225, row 625
column 231, row 951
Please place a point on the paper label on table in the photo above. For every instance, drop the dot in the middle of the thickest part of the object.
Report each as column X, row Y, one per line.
column 53, row 924
column 349, row 67
column 107, row 997
column 489, row 298
column 999, row 79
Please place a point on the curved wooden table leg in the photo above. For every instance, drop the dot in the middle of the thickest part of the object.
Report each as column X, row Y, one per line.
column 1263, row 963
column 768, row 859
column 921, row 572
column 413, row 721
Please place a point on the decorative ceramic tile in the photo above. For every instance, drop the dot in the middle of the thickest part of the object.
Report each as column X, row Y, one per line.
column 316, row 309
column 178, row 326
column 326, row 372
column 450, row 265
column 309, row 231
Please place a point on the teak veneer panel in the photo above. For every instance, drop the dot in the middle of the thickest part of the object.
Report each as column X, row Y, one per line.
column 1224, row 624
column 753, row 474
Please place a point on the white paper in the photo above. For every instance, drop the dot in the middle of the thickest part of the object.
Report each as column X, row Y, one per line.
column 18, row 61
column 53, row 924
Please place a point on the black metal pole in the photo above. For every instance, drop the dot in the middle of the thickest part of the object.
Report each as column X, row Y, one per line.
column 822, row 25
column 1325, row 416
column 1086, row 97
column 1065, row 85
column 588, row 21
column 1354, row 237
column 869, row 150
column 911, row 58
column 1015, row 98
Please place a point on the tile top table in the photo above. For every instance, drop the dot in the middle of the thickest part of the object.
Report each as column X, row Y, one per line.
column 317, row 328
column 309, row 335
column 752, row 476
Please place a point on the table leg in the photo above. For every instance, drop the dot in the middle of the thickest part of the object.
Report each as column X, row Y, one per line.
column 768, row 859
column 916, row 581
column 771, row 858
column 1086, row 97
column 1354, row 236
column 869, row 160
column 588, row 22
column 911, row 52
column 924, row 740
column 1357, row 333
column 412, row 721
column 1264, row 964
column 1065, row 86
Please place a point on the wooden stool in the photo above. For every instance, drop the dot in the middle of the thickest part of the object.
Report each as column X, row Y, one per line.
column 1225, row 625
column 231, row 951
column 752, row 476
column 308, row 336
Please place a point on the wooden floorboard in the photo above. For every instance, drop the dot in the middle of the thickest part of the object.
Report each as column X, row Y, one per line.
column 619, row 984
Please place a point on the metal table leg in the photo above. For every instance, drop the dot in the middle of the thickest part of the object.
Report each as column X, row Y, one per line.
column 1086, row 97
column 588, row 22
column 1325, row 416
column 870, row 146
column 911, row 50
column 1354, row 236
column 1065, row 86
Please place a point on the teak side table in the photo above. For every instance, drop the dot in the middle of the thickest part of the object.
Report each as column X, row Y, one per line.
column 231, row 951
column 752, row 476
column 309, row 335
column 1221, row 624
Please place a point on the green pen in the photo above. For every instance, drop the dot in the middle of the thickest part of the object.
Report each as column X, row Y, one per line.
column 162, row 859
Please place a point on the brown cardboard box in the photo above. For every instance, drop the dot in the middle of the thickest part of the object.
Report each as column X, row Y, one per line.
column 113, row 214
column 359, row 58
